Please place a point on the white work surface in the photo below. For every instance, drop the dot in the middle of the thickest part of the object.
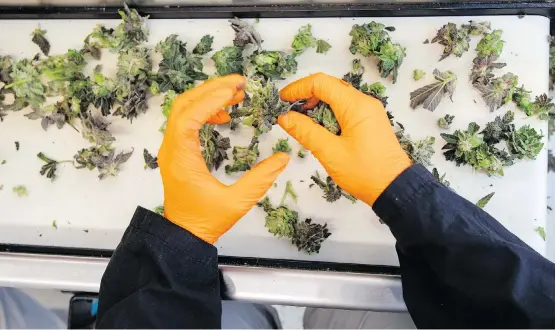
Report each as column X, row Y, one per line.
column 79, row 202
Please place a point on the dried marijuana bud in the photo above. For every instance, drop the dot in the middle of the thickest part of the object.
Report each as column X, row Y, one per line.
column 132, row 30
column 445, row 121
column 418, row 74
column 431, row 95
column 541, row 232
column 454, row 40
column 484, row 201
column 272, row 64
column 262, row 106
column 40, row 40
column 332, row 192
column 150, row 160
column 441, row 179
column 283, row 222
column 482, row 69
column 204, row 46
column 420, row 151
column 289, row 192
column 302, row 152
column 499, row 91
column 179, row 69
column 282, row 145
column 20, row 191
column 214, row 146
column 499, row 129
column 245, row 34
column 525, row 142
column 323, row 115
column 228, row 60
column 244, row 157
column 372, row 39
column 490, row 44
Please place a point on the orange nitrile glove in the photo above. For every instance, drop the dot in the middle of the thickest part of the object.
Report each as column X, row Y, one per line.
column 366, row 157
column 193, row 198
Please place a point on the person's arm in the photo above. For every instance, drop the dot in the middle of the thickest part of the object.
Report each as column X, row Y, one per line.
column 160, row 276
column 460, row 267
column 164, row 273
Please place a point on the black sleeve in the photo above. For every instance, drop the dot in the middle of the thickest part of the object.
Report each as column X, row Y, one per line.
column 160, row 276
column 460, row 267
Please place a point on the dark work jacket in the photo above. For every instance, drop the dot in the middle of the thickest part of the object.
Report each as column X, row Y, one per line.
column 460, row 268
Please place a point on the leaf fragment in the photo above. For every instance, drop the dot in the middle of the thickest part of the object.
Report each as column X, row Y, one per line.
column 20, row 191
column 484, row 201
column 431, row 95
column 39, row 39
column 150, row 160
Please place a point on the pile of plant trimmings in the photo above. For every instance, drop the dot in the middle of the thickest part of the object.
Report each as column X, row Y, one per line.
column 87, row 102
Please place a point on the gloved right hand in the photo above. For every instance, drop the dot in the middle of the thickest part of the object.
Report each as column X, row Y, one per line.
column 366, row 157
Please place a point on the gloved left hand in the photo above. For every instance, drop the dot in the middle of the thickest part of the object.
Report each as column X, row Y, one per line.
column 193, row 198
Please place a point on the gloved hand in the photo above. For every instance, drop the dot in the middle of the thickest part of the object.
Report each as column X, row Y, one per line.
column 366, row 157
column 193, row 198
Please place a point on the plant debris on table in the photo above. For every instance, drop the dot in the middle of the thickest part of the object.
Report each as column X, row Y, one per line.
column 282, row 145
column 20, row 191
column 419, row 151
column 445, row 122
column 40, row 40
column 150, row 160
column 304, row 39
column 49, row 169
column 430, row 95
column 332, row 192
column 484, row 201
column 284, row 223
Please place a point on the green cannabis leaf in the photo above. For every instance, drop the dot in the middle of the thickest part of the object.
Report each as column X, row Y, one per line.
column 150, row 160
column 214, row 146
column 332, row 192
column 482, row 69
column 445, row 122
column 244, row 157
column 303, row 39
column 484, row 201
column 431, row 95
column 282, row 145
column 109, row 165
column 40, row 40
column 26, row 84
column 49, row 169
column 498, row 91
column 323, row 47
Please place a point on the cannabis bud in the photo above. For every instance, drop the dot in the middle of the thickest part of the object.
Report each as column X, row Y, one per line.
column 525, row 142
column 228, row 60
column 490, row 44
column 498, row 91
column 372, row 39
column 272, row 64
column 418, row 74
column 420, row 151
column 204, row 46
column 302, row 152
column 445, row 122
column 482, row 69
column 244, row 157
column 431, row 95
column 261, row 106
column 150, row 160
column 499, row 129
column 332, row 192
column 304, row 39
column 282, row 145
column 454, row 40
column 323, row 115
column 245, row 34
column 214, row 146
column 283, row 222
